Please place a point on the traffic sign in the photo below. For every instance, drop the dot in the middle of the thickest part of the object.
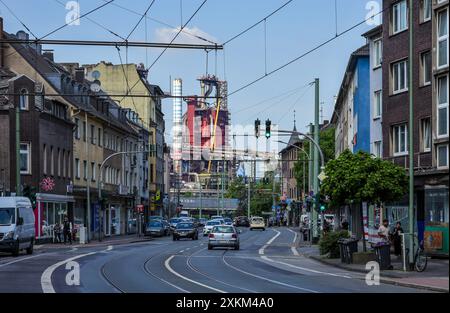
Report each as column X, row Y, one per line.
column 322, row 176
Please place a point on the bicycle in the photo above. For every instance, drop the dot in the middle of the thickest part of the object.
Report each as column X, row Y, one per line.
column 420, row 257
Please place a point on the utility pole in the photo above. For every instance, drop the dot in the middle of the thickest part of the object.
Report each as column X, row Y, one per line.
column 18, row 184
column 248, row 197
column 88, row 181
column 222, row 182
column 411, row 136
column 316, row 156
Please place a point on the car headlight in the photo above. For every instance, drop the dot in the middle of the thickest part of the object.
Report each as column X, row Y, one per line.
column 9, row 235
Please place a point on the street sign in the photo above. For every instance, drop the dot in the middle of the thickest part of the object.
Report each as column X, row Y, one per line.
column 322, row 176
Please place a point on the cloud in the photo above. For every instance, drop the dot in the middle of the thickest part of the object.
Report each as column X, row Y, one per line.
column 188, row 35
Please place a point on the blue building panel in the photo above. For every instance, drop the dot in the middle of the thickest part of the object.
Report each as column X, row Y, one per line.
column 361, row 105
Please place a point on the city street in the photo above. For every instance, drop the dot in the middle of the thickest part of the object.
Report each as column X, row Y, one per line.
column 267, row 262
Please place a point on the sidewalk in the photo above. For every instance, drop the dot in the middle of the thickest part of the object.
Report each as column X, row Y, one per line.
column 106, row 241
column 435, row 277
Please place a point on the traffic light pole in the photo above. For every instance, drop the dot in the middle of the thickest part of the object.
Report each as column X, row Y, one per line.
column 316, row 152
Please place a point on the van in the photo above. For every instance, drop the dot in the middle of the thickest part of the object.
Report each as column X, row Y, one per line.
column 17, row 229
column 183, row 214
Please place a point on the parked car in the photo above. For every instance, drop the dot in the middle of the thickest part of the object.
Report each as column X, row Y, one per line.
column 185, row 230
column 209, row 226
column 155, row 228
column 228, row 221
column 257, row 222
column 223, row 236
column 17, row 230
column 242, row 221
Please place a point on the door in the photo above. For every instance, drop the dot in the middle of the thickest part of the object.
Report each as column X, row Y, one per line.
column 107, row 222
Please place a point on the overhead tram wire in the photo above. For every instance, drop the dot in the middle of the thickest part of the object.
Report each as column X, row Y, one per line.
column 162, row 23
column 97, row 23
column 63, row 26
column 18, row 19
column 140, row 20
column 169, row 44
column 306, row 53
column 257, row 23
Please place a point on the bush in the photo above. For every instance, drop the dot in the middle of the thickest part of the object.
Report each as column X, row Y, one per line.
column 329, row 243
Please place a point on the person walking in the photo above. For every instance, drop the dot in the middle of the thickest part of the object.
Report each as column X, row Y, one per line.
column 67, row 230
column 397, row 239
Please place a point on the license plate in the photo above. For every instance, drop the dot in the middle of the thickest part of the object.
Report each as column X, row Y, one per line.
column 224, row 241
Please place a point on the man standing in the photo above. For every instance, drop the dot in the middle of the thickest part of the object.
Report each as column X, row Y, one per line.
column 383, row 231
column 67, row 230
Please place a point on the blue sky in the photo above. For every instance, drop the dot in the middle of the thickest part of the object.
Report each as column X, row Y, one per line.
column 297, row 28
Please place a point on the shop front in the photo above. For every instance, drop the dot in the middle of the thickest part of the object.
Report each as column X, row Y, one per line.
column 436, row 220
column 50, row 211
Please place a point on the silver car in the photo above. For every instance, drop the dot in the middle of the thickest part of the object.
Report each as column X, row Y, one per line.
column 223, row 236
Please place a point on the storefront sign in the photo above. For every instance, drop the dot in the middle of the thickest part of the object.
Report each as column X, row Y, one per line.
column 433, row 240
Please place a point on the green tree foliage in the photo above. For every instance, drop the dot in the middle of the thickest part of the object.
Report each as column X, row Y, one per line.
column 327, row 144
column 359, row 177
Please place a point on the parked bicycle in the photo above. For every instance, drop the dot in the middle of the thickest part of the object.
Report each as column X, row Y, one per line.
column 420, row 256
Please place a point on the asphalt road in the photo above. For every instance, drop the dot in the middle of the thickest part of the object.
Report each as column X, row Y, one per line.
column 267, row 262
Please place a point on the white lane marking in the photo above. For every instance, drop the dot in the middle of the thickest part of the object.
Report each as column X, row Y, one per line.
column 109, row 248
column 73, row 249
column 170, row 269
column 293, row 249
column 268, row 279
column 46, row 278
column 304, row 268
column 181, row 251
column 261, row 251
column 188, row 249
column 20, row 260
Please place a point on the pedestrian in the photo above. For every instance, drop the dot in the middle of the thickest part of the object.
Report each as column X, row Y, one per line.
column 397, row 239
column 67, row 230
column 57, row 232
column 383, row 231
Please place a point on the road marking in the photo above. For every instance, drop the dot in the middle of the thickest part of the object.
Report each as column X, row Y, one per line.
column 109, row 248
column 73, row 249
column 293, row 249
column 46, row 278
column 20, row 260
column 181, row 251
column 170, row 269
column 261, row 251
column 304, row 268
column 268, row 279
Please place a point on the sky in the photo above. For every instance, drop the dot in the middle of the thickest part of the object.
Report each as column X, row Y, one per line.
column 298, row 27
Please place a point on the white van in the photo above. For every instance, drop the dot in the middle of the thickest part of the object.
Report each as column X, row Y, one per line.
column 183, row 214
column 17, row 230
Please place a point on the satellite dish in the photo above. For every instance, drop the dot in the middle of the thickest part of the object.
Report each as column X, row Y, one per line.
column 96, row 86
column 95, row 74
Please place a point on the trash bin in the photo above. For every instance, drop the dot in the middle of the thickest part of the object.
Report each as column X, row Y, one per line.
column 383, row 253
column 342, row 250
column 352, row 246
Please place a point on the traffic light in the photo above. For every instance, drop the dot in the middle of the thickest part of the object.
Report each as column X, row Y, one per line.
column 257, row 124
column 268, row 126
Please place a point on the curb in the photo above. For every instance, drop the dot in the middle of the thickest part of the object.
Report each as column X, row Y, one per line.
column 390, row 281
column 103, row 244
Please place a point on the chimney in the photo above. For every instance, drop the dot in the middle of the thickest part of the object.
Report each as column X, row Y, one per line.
column 48, row 54
column 79, row 75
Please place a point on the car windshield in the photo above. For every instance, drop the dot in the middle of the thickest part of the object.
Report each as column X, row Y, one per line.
column 257, row 220
column 223, row 229
column 174, row 220
column 155, row 224
column 185, row 226
column 212, row 223
column 7, row 216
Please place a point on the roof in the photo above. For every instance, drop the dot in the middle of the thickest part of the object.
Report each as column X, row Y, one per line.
column 294, row 140
column 374, row 31
column 360, row 52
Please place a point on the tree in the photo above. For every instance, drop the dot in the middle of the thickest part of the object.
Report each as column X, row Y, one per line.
column 361, row 178
column 327, row 144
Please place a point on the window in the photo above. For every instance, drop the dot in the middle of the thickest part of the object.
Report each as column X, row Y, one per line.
column 85, row 170
column 425, row 135
column 52, row 162
column 84, row 131
column 377, row 149
column 442, row 156
column 64, row 163
column 68, row 165
column 425, row 68
column 442, row 39
column 377, row 103
column 23, row 99
column 399, row 139
column 93, row 134
column 442, row 106
column 400, row 76
column 77, row 168
column 425, row 10
column 399, row 17
column 44, row 158
column 99, row 137
column 77, row 129
column 93, row 167
column 377, row 53
column 58, row 166
column 25, row 158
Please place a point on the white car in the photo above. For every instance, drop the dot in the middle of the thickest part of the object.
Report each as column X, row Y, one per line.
column 210, row 225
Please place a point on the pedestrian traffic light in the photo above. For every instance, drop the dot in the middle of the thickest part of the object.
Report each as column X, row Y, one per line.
column 268, row 126
column 257, row 125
